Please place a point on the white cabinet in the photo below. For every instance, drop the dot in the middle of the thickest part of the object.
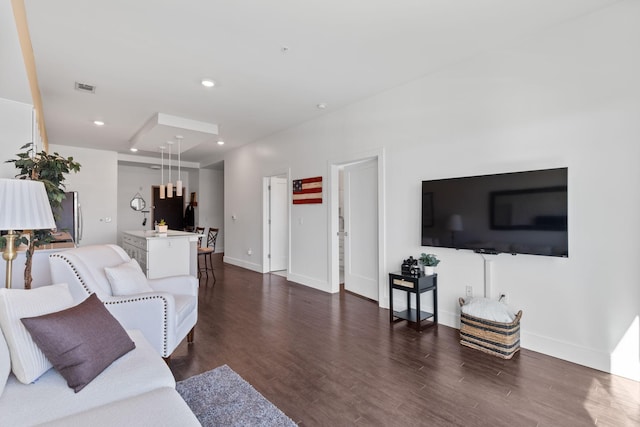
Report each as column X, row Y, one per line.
column 162, row 255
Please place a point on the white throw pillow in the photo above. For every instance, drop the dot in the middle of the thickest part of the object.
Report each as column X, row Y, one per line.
column 487, row 309
column 28, row 362
column 127, row 279
column 5, row 362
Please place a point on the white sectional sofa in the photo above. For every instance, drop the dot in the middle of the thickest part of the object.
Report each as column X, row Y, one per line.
column 69, row 364
column 138, row 389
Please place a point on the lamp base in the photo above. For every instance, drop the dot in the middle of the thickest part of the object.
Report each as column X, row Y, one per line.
column 9, row 255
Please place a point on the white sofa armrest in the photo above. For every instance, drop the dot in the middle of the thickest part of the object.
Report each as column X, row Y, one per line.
column 148, row 312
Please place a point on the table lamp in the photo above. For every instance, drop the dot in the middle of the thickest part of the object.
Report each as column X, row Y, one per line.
column 25, row 206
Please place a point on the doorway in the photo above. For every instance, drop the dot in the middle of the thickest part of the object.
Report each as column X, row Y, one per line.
column 276, row 225
column 356, row 221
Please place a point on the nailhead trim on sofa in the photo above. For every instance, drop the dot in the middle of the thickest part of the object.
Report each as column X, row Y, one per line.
column 88, row 291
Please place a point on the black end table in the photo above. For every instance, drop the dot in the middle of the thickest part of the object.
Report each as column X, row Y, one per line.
column 416, row 285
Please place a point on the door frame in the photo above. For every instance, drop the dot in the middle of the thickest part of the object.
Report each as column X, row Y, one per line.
column 266, row 243
column 333, row 241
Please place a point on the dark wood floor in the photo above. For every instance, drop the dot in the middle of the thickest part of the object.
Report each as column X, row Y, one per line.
column 334, row 360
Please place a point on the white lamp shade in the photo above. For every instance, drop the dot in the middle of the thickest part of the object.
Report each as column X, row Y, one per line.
column 170, row 190
column 25, row 205
column 455, row 223
column 179, row 188
column 162, row 191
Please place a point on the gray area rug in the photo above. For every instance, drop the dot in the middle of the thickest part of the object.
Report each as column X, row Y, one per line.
column 221, row 397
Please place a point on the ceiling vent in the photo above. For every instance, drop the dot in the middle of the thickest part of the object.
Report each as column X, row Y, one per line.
column 84, row 87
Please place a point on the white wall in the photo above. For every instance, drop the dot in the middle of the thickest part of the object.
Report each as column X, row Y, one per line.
column 96, row 184
column 15, row 131
column 569, row 97
column 210, row 210
column 133, row 180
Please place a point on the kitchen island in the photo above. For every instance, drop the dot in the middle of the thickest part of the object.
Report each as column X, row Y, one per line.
column 163, row 254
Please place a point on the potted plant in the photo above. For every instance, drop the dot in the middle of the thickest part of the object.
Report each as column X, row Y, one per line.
column 429, row 262
column 51, row 169
column 162, row 226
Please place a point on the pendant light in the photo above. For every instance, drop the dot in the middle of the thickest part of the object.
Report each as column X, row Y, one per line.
column 162, row 172
column 170, row 184
column 179, row 181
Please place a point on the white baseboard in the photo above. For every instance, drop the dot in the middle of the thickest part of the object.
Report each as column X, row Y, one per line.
column 292, row 277
column 309, row 281
column 242, row 263
column 577, row 354
column 448, row 318
column 562, row 350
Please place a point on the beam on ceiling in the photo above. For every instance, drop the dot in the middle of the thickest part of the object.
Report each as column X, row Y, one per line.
column 20, row 16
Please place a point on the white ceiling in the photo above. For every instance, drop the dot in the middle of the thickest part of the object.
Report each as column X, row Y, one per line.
column 148, row 56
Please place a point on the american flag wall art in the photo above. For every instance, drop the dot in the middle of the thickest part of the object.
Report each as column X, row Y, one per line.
column 308, row 190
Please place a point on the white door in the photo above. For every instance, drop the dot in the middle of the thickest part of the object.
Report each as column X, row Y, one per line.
column 361, row 228
column 278, row 224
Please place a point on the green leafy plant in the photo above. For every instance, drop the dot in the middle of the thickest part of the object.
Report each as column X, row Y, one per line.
column 50, row 169
column 162, row 222
column 429, row 260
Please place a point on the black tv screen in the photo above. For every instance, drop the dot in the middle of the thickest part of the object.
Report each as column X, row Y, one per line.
column 516, row 213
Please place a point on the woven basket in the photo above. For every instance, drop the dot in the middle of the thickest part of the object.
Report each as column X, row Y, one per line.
column 496, row 338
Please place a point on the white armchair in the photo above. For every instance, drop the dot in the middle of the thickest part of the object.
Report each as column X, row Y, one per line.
column 165, row 316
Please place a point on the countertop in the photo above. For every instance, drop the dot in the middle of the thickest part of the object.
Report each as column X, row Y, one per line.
column 150, row 234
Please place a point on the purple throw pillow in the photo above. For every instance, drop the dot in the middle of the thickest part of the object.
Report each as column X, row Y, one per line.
column 81, row 341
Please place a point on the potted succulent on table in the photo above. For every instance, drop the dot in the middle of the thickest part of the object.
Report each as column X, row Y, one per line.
column 162, row 226
column 429, row 261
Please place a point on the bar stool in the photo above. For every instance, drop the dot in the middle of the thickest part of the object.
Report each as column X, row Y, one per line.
column 206, row 251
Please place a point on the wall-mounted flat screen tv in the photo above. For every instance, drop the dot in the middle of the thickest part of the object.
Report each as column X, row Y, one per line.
column 516, row 213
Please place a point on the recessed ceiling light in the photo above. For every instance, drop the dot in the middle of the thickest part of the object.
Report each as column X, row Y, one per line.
column 321, row 106
column 98, row 122
column 220, row 142
column 133, row 149
column 208, row 83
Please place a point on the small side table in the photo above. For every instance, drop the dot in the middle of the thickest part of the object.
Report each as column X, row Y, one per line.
column 416, row 285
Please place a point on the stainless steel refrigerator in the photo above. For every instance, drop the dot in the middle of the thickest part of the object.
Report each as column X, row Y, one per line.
column 69, row 219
